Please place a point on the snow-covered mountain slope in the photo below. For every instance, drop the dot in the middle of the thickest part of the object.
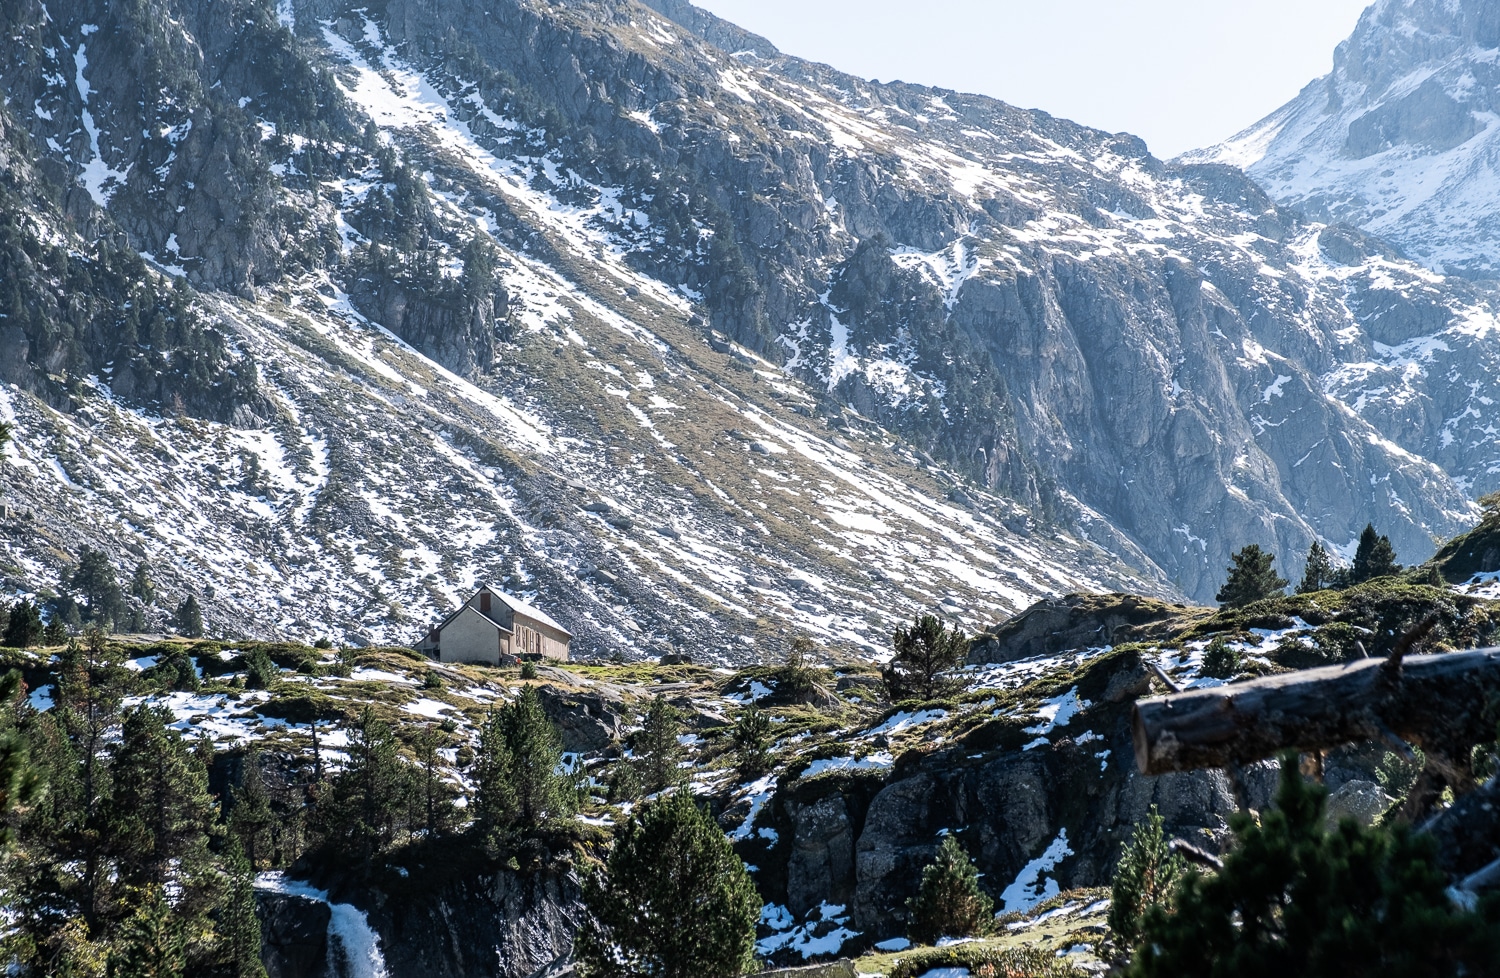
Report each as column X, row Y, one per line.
column 697, row 346
column 1402, row 139
column 637, row 484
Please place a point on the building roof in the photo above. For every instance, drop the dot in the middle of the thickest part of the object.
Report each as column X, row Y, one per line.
column 530, row 611
column 516, row 605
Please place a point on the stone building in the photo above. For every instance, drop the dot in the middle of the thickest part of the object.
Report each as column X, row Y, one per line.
column 494, row 627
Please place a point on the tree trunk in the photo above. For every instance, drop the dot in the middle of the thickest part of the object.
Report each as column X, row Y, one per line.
column 1443, row 703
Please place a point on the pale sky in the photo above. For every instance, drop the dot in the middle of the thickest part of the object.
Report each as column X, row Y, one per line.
column 1178, row 73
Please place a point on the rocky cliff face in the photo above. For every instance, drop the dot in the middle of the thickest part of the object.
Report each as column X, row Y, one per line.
column 1045, row 813
column 446, row 922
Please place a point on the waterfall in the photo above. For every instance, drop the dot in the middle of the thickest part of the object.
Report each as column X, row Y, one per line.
column 353, row 946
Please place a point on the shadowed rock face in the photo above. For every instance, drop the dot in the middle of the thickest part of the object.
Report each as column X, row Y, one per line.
column 477, row 922
column 863, row 841
column 294, row 936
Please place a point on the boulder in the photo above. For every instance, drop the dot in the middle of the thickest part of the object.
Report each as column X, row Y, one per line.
column 1363, row 801
column 587, row 721
column 1078, row 621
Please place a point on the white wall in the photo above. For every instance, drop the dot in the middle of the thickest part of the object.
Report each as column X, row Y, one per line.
column 471, row 637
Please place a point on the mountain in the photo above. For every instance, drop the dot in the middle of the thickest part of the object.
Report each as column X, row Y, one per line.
column 1400, row 139
column 330, row 311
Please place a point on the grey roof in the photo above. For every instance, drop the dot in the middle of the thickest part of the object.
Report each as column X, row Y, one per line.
column 530, row 611
column 516, row 605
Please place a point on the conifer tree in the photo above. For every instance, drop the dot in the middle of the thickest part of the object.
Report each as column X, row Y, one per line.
column 94, row 578
column 1294, row 898
column 250, row 816
column 752, row 742
column 1146, row 877
column 260, row 671
column 657, row 748
column 90, row 689
column 494, row 795
column 152, row 941
column 674, row 901
column 363, row 813
column 1220, row 659
column 796, row 677
column 238, row 926
column 25, row 627
column 435, row 797
column 926, row 654
column 1374, row 557
column 536, row 752
column 1251, row 579
column 949, row 902
column 1319, row 572
column 189, row 618
column 161, row 814
column 142, row 588
column 519, row 787
column 19, row 778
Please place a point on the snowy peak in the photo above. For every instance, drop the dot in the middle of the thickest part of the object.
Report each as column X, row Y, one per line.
column 1402, row 139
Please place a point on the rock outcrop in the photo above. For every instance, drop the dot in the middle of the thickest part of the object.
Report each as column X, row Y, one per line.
column 1036, row 814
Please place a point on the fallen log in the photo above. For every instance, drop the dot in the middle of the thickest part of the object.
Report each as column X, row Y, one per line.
column 1444, row 703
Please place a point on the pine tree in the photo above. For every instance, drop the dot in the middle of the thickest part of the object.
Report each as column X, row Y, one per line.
column 796, row 678
column 190, row 618
column 364, row 811
column 160, row 813
column 1319, row 571
column 657, row 748
column 1296, row 899
column 238, row 926
column 1251, row 579
column 925, row 656
column 260, row 671
column 1146, row 877
column 752, row 742
column 536, row 752
column 142, row 588
column 19, row 778
column 152, row 940
column 55, row 634
column 94, row 578
column 1374, row 557
column 494, row 795
column 674, row 901
column 1220, row 659
column 25, row 626
column 250, row 815
column 90, row 689
column 520, row 788
column 949, row 902
column 435, row 796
